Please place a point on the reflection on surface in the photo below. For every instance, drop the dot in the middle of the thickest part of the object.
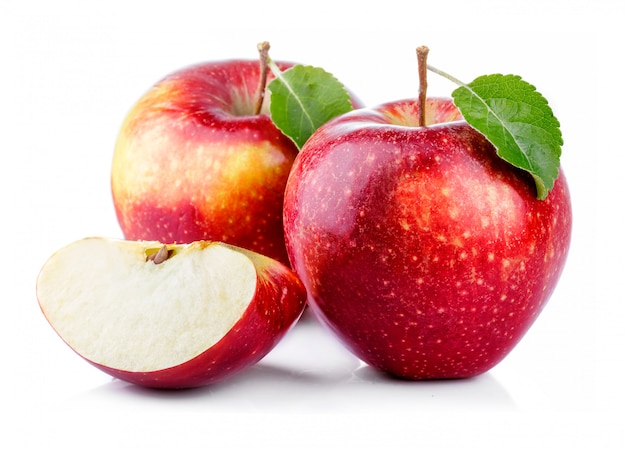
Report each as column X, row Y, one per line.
column 481, row 392
column 310, row 371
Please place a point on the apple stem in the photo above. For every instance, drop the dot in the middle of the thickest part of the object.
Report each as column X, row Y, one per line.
column 264, row 48
column 422, row 53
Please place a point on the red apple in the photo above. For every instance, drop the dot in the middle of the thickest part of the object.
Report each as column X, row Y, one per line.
column 193, row 162
column 427, row 254
column 174, row 316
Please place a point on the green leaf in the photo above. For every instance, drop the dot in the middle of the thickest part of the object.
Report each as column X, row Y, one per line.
column 303, row 98
column 517, row 120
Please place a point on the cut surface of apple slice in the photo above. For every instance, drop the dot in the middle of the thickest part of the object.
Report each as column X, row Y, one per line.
column 126, row 313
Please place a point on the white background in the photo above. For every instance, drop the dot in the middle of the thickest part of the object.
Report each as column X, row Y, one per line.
column 72, row 69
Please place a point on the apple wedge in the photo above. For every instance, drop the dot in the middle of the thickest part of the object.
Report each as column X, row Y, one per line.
column 175, row 316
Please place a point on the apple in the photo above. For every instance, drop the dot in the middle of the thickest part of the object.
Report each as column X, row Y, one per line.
column 168, row 316
column 424, row 252
column 193, row 161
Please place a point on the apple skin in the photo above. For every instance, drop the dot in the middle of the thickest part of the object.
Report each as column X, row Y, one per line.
column 425, row 253
column 192, row 162
column 278, row 303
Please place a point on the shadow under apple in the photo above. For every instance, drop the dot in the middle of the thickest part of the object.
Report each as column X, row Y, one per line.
column 273, row 388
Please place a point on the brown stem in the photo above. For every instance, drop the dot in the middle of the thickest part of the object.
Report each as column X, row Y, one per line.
column 264, row 48
column 422, row 53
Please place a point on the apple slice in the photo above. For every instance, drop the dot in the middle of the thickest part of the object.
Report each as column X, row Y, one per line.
column 174, row 316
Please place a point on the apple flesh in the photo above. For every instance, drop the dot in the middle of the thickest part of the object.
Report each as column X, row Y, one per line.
column 193, row 162
column 427, row 254
column 205, row 313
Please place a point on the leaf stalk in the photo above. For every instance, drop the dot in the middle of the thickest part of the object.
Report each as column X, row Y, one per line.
column 456, row 81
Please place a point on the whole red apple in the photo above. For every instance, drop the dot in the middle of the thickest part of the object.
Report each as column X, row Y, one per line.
column 193, row 161
column 427, row 254
column 175, row 316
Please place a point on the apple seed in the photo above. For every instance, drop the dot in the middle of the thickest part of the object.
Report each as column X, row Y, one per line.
column 161, row 256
